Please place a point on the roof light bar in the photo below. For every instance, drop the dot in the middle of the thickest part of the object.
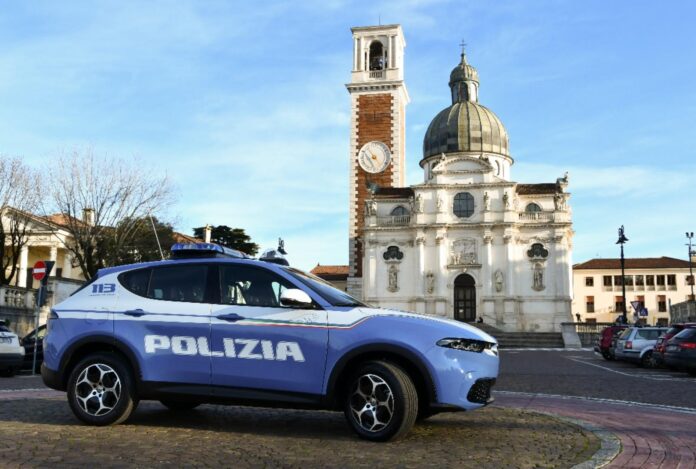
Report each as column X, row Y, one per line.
column 188, row 250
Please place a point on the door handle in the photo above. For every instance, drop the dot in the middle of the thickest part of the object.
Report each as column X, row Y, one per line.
column 232, row 317
column 134, row 312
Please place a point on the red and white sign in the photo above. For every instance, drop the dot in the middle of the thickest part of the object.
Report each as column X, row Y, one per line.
column 39, row 271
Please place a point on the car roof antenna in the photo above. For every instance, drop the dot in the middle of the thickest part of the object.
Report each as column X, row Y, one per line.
column 159, row 246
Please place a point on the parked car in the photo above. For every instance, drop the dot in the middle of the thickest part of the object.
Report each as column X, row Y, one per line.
column 604, row 340
column 11, row 353
column 659, row 351
column 212, row 325
column 28, row 342
column 636, row 344
column 680, row 351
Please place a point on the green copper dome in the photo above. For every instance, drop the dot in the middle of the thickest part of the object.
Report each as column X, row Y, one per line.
column 465, row 126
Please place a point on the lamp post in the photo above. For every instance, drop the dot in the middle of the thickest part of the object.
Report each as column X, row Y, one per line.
column 622, row 240
column 690, row 236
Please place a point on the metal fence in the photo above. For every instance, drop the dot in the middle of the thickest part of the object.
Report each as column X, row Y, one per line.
column 588, row 332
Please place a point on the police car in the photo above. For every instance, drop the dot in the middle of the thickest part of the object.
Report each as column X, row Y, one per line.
column 212, row 325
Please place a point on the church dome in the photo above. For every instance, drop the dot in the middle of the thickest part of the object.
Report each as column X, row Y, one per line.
column 465, row 126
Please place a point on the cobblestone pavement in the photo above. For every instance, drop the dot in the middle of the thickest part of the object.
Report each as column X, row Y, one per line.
column 37, row 429
column 651, row 436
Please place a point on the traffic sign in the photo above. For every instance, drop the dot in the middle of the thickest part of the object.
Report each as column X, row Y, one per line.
column 39, row 271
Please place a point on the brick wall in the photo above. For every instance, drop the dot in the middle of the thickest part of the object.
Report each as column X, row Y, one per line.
column 375, row 121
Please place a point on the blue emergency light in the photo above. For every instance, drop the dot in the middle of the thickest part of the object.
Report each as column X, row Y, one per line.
column 192, row 250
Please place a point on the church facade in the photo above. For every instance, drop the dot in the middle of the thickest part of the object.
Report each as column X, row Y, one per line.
column 468, row 242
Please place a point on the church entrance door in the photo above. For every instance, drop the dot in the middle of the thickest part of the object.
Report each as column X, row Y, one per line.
column 465, row 298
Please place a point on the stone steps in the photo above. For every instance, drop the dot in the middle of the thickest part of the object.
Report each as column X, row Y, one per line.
column 523, row 339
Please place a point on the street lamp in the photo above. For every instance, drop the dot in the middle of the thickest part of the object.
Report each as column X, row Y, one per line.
column 622, row 240
column 690, row 236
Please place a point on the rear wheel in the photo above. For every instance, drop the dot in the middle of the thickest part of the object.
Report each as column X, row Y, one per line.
column 101, row 390
column 179, row 405
column 381, row 401
column 648, row 360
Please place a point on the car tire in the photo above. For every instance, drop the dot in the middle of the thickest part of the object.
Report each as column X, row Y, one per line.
column 101, row 390
column 8, row 372
column 647, row 360
column 381, row 401
column 179, row 406
column 607, row 355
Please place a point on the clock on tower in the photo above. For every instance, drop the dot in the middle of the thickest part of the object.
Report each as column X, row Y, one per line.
column 378, row 100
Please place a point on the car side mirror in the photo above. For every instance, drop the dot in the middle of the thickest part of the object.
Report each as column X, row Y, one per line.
column 296, row 298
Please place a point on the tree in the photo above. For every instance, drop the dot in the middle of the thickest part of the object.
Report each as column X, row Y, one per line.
column 19, row 195
column 233, row 238
column 101, row 202
column 143, row 246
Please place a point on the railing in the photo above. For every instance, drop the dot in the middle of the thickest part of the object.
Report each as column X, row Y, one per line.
column 394, row 220
column 376, row 73
column 588, row 332
column 536, row 216
column 15, row 297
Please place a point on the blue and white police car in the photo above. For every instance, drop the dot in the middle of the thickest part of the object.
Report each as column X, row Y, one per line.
column 212, row 325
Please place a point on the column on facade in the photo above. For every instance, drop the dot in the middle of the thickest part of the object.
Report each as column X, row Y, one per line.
column 441, row 244
column 23, row 264
column 371, row 267
column 420, row 246
column 360, row 54
column 356, row 52
column 392, row 51
column 53, row 256
column 487, row 274
column 509, row 256
column 67, row 264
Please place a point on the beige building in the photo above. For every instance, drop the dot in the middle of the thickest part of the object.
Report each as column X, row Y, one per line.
column 654, row 282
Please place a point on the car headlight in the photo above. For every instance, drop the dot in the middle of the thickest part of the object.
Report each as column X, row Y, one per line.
column 467, row 345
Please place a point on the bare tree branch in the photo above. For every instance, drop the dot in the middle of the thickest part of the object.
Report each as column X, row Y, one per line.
column 18, row 201
column 114, row 193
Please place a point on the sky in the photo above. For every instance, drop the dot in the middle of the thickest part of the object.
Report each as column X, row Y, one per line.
column 243, row 104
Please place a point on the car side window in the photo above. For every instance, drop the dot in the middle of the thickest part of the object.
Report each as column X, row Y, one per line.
column 136, row 281
column 178, row 283
column 250, row 286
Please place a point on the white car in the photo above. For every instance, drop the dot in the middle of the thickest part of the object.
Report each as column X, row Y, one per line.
column 11, row 352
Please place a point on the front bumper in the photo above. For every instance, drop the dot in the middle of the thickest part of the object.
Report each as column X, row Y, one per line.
column 463, row 380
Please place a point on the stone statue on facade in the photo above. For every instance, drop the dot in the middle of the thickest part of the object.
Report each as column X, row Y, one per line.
column 393, row 278
column 559, row 201
column 498, row 280
column 370, row 208
column 486, row 201
column 538, row 283
column 506, row 200
column 429, row 282
column 439, row 203
column 418, row 204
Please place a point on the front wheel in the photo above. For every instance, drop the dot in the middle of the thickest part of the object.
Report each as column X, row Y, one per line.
column 381, row 402
column 101, row 390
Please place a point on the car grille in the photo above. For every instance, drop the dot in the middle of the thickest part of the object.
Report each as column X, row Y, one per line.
column 480, row 392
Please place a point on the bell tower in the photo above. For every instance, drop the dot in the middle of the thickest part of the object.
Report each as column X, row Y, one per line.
column 378, row 99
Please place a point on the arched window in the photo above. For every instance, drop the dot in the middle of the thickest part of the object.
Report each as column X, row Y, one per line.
column 377, row 58
column 532, row 208
column 463, row 205
column 399, row 211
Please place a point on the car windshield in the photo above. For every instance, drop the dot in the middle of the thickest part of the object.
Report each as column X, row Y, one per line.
column 625, row 333
column 687, row 333
column 333, row 295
